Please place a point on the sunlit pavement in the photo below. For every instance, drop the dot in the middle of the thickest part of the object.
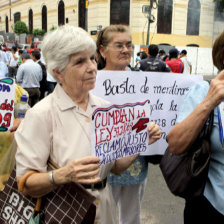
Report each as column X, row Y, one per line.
column 159, row 206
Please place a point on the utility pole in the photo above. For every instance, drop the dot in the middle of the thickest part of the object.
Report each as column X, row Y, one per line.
column 147, row 11
column 86, row 15
column 148, row 30
column 10, row 10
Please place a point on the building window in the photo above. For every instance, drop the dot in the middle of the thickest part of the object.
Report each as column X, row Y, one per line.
column 193, row 17
column 61, row 13
column 82, row 14
column 44, row 18
column 17, row 17
column 31, row 20
column 219, row 11
column 6, row 24
column 119, row 12
column 164, row 15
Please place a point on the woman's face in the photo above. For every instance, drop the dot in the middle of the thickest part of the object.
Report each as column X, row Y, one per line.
column 118, row 52
column 79, row 75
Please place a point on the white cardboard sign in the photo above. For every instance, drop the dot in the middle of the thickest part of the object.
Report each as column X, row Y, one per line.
column 165, row 92
column 119, row 130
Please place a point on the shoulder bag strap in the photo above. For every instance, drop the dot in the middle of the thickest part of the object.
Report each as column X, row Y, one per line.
column 180, row 67
column 210, row 124
column 21, row 185
column 210, row 120
column 52, row 164
column 24, row 178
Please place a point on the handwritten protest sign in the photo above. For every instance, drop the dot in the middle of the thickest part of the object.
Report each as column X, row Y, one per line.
column 165, row 92
column 120, row 130
column 7, row 94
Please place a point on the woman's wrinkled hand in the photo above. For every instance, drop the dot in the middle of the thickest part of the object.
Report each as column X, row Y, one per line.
column 84, row 170
column 216, row 91
column 154, row 132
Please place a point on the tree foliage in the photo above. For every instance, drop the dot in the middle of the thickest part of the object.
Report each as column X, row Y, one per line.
column 37, row 32
column 20, row 27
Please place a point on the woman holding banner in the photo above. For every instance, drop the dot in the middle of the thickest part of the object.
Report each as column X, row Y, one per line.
column 64, row 120
column 198, row 103
column 114, row 51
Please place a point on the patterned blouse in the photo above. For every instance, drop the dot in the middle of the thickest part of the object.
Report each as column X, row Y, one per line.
column 135, row 174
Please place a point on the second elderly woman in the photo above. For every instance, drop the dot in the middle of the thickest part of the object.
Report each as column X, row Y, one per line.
column 59, row 127
column 114, row 51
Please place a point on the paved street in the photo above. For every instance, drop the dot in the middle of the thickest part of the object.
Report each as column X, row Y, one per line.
column 159, row 205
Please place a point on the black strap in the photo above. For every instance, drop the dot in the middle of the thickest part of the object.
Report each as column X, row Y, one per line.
column 97, row 186
column 209, row 126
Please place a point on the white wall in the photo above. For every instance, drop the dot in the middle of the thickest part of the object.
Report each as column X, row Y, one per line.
column 201, row 59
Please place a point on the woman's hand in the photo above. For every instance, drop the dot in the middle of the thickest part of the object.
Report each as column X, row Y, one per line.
column 154, row 132
column 84, row 171
column 216, row 91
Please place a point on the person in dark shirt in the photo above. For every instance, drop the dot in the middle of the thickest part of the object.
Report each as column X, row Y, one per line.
column 152, row 62
column 162, row 55
column 143, row 55
column 43, row 83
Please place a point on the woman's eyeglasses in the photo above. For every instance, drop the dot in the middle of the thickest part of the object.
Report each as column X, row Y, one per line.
column 122, row 46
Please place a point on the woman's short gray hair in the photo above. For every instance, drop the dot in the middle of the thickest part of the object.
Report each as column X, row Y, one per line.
column 60, row 44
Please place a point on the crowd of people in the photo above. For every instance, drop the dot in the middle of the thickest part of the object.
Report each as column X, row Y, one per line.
column 29, row 70
column 71, row 58
column 158, row 61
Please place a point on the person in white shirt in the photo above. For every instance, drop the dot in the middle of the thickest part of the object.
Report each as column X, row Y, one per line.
column 187, row 63
column 3, row 56
column 29, row 76
column 51, row 83
column 3, row 70
column 14, row 57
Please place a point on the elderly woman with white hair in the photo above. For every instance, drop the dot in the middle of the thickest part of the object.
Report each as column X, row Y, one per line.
column 58, row 127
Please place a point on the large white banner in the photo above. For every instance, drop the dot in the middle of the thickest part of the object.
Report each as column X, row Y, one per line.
column 164, row 91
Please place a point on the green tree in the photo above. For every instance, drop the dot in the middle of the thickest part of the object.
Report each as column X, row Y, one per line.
column 20, row 27
column 37, row 32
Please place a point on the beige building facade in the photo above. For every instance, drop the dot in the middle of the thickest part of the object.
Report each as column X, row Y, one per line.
column 95, row 14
